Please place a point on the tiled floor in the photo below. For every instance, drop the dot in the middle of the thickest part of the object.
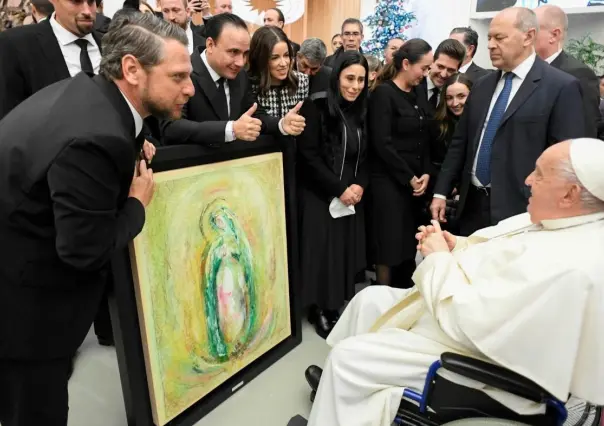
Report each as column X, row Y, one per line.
column 271, row 399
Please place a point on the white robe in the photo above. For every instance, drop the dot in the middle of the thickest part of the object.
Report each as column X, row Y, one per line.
column 528, row 297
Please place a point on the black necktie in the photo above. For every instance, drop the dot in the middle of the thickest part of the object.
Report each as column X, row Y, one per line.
column 85, row 62
column 221, row 100
column 434, row 97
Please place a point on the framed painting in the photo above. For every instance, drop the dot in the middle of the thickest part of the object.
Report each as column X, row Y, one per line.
column 212, row 281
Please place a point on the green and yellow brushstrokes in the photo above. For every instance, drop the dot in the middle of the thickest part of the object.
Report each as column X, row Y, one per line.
column 210, row 268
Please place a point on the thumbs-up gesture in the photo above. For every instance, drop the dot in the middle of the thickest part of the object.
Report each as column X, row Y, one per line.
column 293, row 123
column 247, row 128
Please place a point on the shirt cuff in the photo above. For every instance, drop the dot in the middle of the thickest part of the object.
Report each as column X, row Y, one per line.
column 442, row 197
column 229, row 135
column 283, row 132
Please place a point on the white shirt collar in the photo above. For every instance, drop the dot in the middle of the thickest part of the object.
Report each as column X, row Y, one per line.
column 568, row 222
column 138, row 120
column 465, row 67
column 430, row 84
column 65, row 37
column 522, row 70
column 215, row 76
column 553, row 57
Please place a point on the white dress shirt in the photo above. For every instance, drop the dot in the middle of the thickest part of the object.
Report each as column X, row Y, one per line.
column 430, row 89
column 465, row 67
column 520, row 73
column 71, row 51
column 229, row 135
column 138, row 119
column 189, row 33
column 553, row 57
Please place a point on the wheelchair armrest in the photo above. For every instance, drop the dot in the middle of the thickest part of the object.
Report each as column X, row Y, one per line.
column 495, row 376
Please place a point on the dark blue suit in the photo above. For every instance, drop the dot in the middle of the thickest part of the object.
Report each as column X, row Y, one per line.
column 548, row 108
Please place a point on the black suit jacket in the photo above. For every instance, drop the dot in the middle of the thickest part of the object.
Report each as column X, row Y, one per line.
column 201, row 123
column 101, row 23
column 320, row 81
column 589, row 88
column 474, row 72
column 30, row 59
column 67, row 157
column 546, row 109
column 199, row 41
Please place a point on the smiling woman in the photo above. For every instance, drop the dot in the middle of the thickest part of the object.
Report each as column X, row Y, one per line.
column 276, row 86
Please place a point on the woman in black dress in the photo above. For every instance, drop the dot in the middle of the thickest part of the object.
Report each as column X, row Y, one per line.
column 332, row 172
column 400, row 133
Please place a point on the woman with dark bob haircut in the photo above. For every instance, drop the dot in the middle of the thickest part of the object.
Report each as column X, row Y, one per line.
column 333, row 177
column 276, row 86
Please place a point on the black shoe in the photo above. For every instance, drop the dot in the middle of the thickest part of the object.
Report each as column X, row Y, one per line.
column 313, row 376
column 323, row 325
column 106, row 341
column 332, row 316
column 313, row 394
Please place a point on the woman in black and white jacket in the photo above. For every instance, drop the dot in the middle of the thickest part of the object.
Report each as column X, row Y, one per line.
column 276, row 86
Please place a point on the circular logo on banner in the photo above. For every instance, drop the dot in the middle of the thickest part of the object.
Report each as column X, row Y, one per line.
column 253, row 10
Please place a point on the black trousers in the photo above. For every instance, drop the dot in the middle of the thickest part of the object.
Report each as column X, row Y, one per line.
column 102, row 321
column 476, row 213
column 34, row 392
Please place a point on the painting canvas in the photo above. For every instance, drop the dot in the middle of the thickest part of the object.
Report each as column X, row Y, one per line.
column 211, row 276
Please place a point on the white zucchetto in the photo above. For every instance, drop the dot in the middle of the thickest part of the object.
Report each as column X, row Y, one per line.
column 587, row 159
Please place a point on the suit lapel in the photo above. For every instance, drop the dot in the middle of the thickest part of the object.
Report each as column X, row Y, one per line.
column 51, row 50
column 203, row 77
column 527, row 87
column 98, row 37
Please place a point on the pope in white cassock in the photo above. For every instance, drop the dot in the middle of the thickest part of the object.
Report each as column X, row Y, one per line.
column 527, row 294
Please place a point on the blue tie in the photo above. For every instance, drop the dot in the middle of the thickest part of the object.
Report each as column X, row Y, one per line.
column 483, row 163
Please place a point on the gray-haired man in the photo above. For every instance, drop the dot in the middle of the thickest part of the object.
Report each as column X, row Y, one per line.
column 310, row 61
column 69, row 202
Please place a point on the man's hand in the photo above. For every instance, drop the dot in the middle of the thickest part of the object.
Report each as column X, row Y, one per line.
column 438, row 208
column 142, row 186
column 293, row 123
column 423, row 185
column 435, row 242
column 248, row 128
column 348, row 197
column 149, row 151
column 424, row 231
column 358, row 190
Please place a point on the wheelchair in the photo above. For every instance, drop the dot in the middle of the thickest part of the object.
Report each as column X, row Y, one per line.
column 442, row 402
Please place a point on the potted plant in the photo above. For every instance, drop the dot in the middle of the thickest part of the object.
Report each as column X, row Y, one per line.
column 589, row 52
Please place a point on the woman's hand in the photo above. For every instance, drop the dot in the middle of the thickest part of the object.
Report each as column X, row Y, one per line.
column 423, row 185
column 349, row 197
column 358, row 190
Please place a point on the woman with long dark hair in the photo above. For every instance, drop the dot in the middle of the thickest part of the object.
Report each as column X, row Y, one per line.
column 332, row 178
column 453, row 96
column 276, row 86
column 400, row 130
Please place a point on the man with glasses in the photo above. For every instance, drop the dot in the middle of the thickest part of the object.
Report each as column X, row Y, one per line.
column 352, row 36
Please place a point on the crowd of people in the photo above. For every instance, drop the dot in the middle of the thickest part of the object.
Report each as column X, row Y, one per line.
column 383, row 148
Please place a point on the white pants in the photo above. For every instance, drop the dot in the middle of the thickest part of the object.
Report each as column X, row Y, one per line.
column 365, row 373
